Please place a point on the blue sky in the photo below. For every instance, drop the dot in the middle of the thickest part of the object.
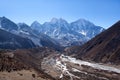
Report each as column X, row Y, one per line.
column 101, row 12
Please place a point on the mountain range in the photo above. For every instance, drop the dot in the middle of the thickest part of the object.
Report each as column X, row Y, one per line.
column 68, row 34
column 23, row 30
column 56, row 34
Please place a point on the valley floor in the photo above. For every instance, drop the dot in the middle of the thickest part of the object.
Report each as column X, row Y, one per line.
column 67, row 68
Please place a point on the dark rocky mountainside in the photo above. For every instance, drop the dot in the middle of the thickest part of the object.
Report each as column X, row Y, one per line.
column 11, row 41
column 105, row 47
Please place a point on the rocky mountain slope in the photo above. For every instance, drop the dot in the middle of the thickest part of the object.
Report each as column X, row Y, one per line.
column 38, row 39
column 23, row 30
column 67, row 34
column 57, row 33
column 105, row 47
column 11, row 41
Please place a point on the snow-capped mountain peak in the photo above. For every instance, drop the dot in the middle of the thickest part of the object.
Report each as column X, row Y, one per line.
column 36, row 23
column 84, row 22
column 7, row 24
column 58, row 21
column 67, row 33
column 54, row 20
column 60, row 30
column 25, row 31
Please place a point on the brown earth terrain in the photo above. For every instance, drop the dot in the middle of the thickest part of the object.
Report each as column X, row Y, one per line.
column 23, row 61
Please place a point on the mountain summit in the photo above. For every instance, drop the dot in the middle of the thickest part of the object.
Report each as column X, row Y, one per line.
column 68, row 34
column 7, row 24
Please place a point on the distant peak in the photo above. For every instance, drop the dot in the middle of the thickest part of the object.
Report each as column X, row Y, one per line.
column 54, row 20
column 21, row 24
column 83, row 21
column 62, row 19
column 36, row 22
column 4, row 18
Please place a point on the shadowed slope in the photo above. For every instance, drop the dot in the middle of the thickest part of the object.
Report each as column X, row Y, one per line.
column 105, row 47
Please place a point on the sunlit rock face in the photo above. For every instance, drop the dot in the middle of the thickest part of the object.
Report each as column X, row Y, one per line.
column 75, row 33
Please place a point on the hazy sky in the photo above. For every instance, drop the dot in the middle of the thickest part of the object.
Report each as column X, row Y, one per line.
column 101, row 12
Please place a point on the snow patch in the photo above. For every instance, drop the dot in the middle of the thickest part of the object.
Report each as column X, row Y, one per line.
column 27, row 33
column 76, row 70
column 83, row 32
column 61, row 76
column 94, row 65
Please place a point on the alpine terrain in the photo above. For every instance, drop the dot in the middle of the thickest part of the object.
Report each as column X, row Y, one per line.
column 58, row 50
column 68, row 34
column 23, row 30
